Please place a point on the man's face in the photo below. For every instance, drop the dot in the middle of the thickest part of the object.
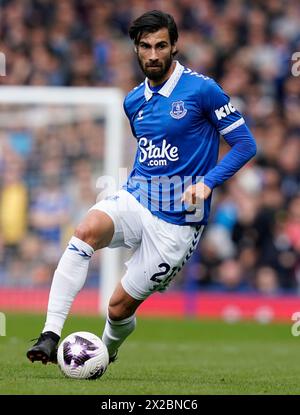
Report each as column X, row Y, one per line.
column 154, row 52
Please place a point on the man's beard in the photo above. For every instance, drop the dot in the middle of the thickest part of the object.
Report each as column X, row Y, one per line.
column 160, row 72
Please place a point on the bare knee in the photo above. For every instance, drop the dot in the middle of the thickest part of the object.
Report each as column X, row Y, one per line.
column 85, row 233
column 96, row 229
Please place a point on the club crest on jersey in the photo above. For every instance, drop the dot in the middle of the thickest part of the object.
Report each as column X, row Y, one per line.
column 178, row 111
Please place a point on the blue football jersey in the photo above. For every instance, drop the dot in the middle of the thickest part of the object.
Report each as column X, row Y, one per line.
column 177, row 129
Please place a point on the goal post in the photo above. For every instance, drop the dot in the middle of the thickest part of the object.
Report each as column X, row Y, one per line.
column 109, row 101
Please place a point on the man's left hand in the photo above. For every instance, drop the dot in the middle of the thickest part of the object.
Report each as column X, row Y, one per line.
column 196, row 194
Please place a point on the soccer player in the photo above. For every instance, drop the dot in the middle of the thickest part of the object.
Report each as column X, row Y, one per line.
column 177, row 116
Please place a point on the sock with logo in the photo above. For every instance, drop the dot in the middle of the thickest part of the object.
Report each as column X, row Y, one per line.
column 115, row 332
column 68, row 280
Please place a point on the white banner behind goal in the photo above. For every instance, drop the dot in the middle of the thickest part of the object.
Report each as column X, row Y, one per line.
column 33, row 103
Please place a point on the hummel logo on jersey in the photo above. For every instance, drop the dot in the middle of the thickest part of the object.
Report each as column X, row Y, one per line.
column 224, row 111
column 140, row 115
column 178, row 111
column 157, row 156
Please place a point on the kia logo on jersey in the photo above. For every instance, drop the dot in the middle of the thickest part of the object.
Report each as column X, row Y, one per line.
column 224, row 111
column 157, row 156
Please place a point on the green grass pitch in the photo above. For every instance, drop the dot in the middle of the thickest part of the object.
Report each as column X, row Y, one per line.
column 163, row 356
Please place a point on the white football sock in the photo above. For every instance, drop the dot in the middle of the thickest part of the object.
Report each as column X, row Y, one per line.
column 68, row 280
column 115, row 332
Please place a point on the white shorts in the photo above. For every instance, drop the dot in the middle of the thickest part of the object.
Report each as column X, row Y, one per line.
column 160, row 248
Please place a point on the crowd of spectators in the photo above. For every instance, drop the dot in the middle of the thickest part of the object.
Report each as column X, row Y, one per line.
column 253, row 240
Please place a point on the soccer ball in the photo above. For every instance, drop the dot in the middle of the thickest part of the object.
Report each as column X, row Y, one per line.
column 82, row 355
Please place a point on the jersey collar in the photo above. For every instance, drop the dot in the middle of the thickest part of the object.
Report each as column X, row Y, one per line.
column 168, row 87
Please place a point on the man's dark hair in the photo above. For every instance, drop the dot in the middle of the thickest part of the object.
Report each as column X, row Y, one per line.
column 151, row 22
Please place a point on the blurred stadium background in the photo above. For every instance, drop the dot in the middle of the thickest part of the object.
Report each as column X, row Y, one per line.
column 248, row 262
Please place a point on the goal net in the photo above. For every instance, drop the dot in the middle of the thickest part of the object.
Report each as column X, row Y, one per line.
column 55, row 143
